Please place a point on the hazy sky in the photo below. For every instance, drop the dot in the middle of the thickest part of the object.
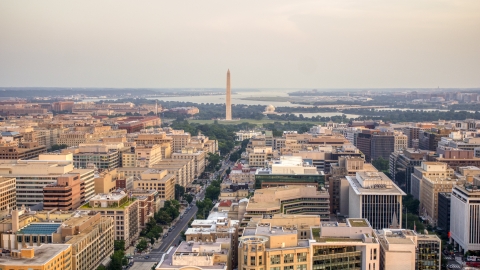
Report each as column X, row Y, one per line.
column 265, row 43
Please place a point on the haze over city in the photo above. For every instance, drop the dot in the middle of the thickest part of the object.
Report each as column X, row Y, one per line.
column 240, row 135
column 266, row 44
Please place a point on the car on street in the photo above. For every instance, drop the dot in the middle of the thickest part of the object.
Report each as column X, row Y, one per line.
column 147, row 257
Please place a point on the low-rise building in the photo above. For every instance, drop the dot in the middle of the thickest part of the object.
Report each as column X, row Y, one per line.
column 295, row 200
column 44, row 257
column 405, row 249
column 349, row 245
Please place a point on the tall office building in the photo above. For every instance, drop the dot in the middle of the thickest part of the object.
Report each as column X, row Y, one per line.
column 373, row 196
column 228, row 100
column 465, row 216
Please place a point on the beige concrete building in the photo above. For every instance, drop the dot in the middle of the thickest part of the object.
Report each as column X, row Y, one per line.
column 8, row 194
column 400, row 142
column 405, row 249
column 44, row 257
column 184, row 169
column 259, row 156
column 242, row 174
column 198, row 158
column 92, row 239
column 180, row 139
column 165, row 142
column 276, row 244
column 298, row 200
column 123, row 210
column 88, row 134
column 349, row 245
column 338, row 184
column 147, row 155
column 429, row 169
column 33, row 175
column 198, row 256
column 159, row 180
column 430, row 186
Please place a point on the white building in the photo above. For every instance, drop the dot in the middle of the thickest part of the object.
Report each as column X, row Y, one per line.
column 245, row 135
column 373, row 196
column 465, row 216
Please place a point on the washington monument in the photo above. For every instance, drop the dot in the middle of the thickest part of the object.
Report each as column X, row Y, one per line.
column 228, row 101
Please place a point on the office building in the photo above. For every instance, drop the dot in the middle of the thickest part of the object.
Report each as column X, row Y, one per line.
column 160, row 180
column 376, row 144
column 40, row 174
column 428, row 169
column 443, row 214
column 465, row 216
column 67, row 194
column 103, row 156
column 290, row 199
column 201, row 256
column 26, row 150
column 430, row 187
column 8, row 194
column 46, row 256
column 402, row 164
column 338, row 184
column 122, row 209
column 373, row 196
column 273, row 247
column 405, row 249
column 349, row 245
column 198, row 157
column 289, row 170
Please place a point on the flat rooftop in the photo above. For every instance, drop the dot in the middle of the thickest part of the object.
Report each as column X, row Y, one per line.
column 359, row 190
column 40, row 228
column 43, row 254
column 358, row 222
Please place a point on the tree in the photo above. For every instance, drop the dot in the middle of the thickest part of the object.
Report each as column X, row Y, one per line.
column 57, row 147
column 151, row 236
column 179, row 191
column 411, row 204
column 228, row 170
column 118, row 260
column 119, row 245
column 142, row 245
column 164, row 217
column 189, row 198
column 101, row 267
column 212, row 192
column 381, row 164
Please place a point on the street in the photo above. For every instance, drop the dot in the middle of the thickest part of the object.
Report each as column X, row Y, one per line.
column 173, row 238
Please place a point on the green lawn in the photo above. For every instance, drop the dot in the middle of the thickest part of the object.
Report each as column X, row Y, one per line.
column 251, row 121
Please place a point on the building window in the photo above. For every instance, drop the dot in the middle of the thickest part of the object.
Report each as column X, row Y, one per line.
column 275, row 259
column 274, row 268
column 288, row 258
column 289, row 267
column 302, row 257
column 252, row 260
column 302, row 267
